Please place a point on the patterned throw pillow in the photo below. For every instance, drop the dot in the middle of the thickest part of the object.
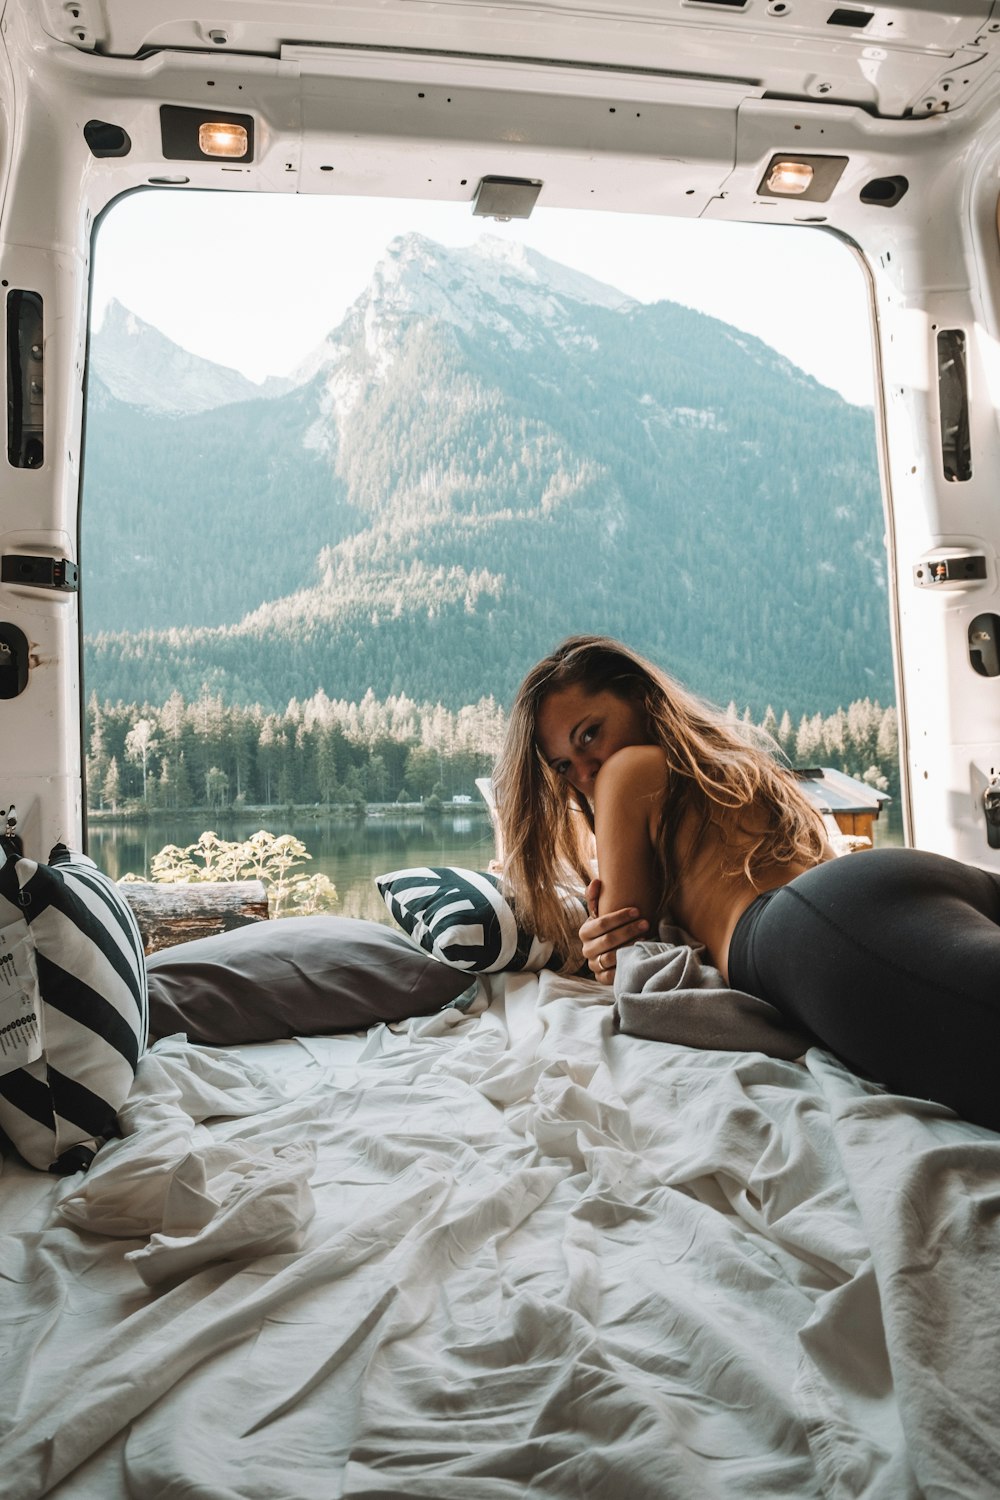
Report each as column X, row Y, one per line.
column 73, row 1006
column 463, row 918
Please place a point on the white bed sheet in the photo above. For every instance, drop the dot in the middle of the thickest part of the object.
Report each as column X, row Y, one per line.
column 506, row 1255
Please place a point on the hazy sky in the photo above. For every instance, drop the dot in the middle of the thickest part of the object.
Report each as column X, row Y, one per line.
column 255, row 281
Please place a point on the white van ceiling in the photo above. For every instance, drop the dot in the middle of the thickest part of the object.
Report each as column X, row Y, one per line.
column 894, row 61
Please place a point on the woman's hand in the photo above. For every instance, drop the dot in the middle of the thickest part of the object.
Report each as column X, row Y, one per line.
column 602, row 936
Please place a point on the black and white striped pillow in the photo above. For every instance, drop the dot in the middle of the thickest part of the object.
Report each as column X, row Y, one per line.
column 91, row 979
column 462, row 918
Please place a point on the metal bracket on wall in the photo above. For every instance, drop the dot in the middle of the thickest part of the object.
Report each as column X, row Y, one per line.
column 991, row 807
column 40, row 572
column 950, row 568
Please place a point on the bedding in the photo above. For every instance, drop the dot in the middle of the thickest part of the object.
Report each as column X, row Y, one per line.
column 667, row 991
column 506, row 1254
column 300, row 976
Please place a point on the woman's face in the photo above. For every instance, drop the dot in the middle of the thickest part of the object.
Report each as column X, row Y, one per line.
column 576, row 730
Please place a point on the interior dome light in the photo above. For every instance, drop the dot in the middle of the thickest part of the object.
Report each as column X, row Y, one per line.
column 787, row 177
column 218, row 138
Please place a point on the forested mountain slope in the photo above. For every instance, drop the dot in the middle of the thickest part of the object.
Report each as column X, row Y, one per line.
column 489, row 453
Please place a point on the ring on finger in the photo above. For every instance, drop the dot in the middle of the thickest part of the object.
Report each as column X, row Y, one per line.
column 602, row 963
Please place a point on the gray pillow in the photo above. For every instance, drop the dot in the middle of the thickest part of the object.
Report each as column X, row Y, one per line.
column 297, row 976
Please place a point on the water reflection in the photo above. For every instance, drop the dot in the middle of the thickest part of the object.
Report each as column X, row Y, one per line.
column 350, row 852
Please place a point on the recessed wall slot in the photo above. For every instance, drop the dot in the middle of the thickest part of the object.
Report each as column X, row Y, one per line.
column 857, row 20
column 13, row 661
column 953, row 401
column 957, row 569
column 25, row 381
column 884, row 192
column 984, row 645
column 106, row 139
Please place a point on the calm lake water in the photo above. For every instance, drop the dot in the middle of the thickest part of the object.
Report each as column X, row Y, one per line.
column 350, row 852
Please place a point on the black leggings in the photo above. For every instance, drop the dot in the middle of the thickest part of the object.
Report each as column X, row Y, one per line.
column 891, row 959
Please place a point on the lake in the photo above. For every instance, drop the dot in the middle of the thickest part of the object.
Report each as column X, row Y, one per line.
column 350, row 852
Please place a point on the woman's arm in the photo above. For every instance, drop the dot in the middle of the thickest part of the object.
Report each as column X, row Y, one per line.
column 602, row 935
column 628, row 796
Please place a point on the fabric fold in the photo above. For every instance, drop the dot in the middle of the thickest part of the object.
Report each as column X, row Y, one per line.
column 666, row 992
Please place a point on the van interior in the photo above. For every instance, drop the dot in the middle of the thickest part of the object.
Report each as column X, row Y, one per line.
column 502, row 1249
column 692, row 110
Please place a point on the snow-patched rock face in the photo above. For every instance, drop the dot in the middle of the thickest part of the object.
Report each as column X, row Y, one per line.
column 494, row 286
column 138, row 364
column 485, row 283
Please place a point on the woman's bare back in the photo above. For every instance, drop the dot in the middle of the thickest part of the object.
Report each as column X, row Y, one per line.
column 713, row 890
column 712, row 895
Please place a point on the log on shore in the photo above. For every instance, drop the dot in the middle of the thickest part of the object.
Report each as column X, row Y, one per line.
column 177, row 912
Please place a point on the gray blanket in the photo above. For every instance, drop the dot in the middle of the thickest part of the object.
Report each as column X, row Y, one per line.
column 664, row 991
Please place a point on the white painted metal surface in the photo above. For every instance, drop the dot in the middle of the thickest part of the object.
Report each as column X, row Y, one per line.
column 656, row 106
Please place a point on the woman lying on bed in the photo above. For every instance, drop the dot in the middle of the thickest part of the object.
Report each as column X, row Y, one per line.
column 890, row 958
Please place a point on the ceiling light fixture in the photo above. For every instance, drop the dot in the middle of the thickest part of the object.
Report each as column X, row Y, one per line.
column 206, row 134
column 221, row 138
column 791, row 177
column 506, row 198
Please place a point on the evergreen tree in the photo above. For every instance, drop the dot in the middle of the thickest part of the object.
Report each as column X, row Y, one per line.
column 111, row 790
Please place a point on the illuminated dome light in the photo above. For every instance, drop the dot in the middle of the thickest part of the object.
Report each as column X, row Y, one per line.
column 790, row 177
column 219, row 138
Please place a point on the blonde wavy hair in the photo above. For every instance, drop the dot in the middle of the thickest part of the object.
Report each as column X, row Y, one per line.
column 716, row 768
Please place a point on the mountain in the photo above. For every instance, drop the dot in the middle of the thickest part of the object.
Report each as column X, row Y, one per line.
column 488, row 453
column 135, row 364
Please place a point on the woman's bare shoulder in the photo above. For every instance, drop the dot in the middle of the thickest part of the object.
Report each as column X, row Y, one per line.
column 636, row 770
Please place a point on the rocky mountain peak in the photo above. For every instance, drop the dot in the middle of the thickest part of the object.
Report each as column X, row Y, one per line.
column 139, row 365
column 494, row 287
column 495, row 282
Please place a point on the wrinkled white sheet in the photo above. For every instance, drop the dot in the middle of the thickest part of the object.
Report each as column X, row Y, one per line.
column 507, row 1255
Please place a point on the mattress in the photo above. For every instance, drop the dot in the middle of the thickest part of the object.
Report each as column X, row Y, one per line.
column 505, row 1254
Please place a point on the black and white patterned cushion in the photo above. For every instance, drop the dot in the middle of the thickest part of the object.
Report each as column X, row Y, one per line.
column 463, row 918
column 85, row 950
